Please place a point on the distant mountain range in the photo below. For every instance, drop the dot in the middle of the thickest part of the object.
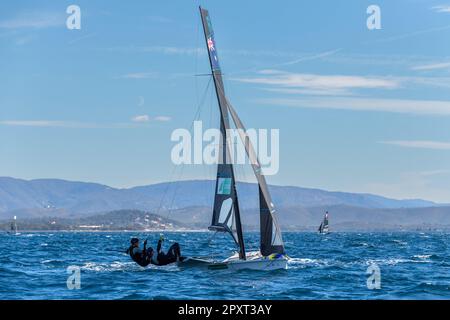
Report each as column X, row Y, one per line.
column 342, row 218
column 44, row 197
column 188, row 204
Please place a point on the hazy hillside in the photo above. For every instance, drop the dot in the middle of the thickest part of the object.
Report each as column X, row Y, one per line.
column 51, row 197
column 342, row 217
column 348, row 217
column 115, row 220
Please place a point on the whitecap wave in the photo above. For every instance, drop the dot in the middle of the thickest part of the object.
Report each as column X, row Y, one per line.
column 304, row 262
column 400, row 242
column 107, row 267
column 422, row 256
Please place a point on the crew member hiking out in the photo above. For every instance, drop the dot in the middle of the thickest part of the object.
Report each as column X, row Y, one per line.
column 148, row 256
column 139, row 256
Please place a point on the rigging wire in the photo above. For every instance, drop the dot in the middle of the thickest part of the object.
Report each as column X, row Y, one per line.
column 198, row 105
column 196, row 117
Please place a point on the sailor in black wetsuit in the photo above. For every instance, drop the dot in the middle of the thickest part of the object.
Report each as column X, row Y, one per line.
column 161, row 258
column 139, row 256
column 146, row 256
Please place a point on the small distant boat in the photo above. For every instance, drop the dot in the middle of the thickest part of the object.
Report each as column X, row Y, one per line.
column 324, row 228
column 13, row 228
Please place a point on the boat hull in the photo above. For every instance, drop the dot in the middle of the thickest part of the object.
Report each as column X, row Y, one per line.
column 263, row 265
column 254, row 261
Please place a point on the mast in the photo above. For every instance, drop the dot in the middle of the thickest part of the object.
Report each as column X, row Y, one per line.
column 226, row 214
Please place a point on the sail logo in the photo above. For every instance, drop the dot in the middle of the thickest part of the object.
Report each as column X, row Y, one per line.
column 210, row 44
column 73, row 22
column 374, row 279
column 261, row 148
column 74, row 278
column 374, row 20
column 224, row 186
column 213, row 53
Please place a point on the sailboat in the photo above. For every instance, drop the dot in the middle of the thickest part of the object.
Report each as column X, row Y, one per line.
column 13, row 228
column 323, row 228
column 226, row 213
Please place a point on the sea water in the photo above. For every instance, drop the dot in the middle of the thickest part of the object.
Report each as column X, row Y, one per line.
column 334, row 266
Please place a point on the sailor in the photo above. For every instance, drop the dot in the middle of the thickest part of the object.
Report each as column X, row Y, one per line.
column 146, row 256
column 139, row 256
column 160, row 258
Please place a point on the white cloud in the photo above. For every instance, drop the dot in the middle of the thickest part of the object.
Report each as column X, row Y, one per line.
column 443, row 82
column 422, row 107
column 146, row 118
column 201, row 50
column 311, row 57
column 34, row 123
column 36, row 20
column 163, row 118
column 52, row 124
column 139, row 121
column 442, row 8
column 311, row 92
column 431, row 173
column 161, row 49
column 433, row 66
column 318, row 82
column 408, row 35
column 138, row 75
column 142, row 118
column 421, row 144
column 81, row 125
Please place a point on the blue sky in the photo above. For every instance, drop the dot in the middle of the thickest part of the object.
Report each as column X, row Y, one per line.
column 358, row 110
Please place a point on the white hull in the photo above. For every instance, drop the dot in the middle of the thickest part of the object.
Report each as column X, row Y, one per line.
column 254, row 261
column 258, row 265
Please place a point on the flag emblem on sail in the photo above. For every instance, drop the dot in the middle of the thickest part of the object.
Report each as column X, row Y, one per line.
column 213, row 53
column 210, row 44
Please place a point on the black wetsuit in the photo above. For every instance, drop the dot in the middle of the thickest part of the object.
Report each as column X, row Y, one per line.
column 138, row 256
column 143, row 258
column 171, row 256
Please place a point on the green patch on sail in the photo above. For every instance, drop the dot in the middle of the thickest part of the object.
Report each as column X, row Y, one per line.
column 224, row 186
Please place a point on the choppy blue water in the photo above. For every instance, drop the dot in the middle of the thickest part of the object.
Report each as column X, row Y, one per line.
column 412, row 265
